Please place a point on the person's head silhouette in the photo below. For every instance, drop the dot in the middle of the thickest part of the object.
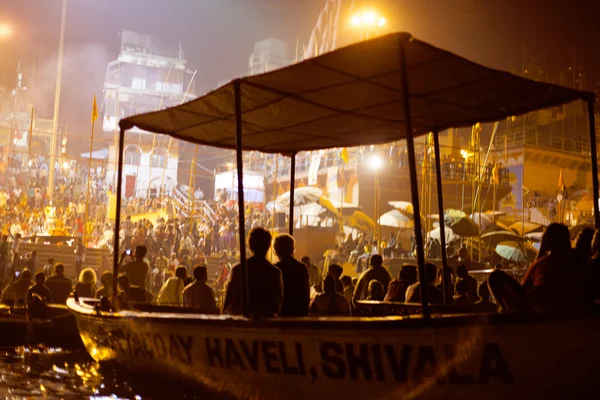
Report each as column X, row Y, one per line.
column 259, row 241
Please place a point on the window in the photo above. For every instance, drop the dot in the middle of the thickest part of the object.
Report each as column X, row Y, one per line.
column 159, row 158
column 132, row 155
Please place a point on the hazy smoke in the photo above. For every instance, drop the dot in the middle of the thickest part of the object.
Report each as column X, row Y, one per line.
column 83, row 75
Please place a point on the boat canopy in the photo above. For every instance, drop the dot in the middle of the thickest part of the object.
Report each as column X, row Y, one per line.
column 353, row 96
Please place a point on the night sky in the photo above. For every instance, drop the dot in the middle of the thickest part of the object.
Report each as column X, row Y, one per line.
column 545, row 36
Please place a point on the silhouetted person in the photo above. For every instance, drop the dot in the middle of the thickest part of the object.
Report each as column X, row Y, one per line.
column 296, row 288
column 16, row 292
column 348, row 287
column 329, row 302
column 39, row 289
column 265, row 284
column 592, row 277
column 107, row 279
column 375, row 272
column 461, row 298
column 171, row 293
column 484, row 304
column 550, row 282
column 336, row 271
column 131, row 293
column 407, row 277
column 199, row 295
column 395, row 292
column 86, row 286
column 375, row 291
column 59, row 285
column 434, row 295
column 470, row 282
column 314, row 275
column 136, row 270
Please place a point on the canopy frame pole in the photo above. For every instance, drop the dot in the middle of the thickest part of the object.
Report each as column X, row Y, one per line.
column 593, row 150
column 237, row 93
column 292, row 188
column 440, row 200
column 414, row 186
column 118, row 216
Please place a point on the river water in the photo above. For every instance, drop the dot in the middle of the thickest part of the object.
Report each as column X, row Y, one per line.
column 57, row 374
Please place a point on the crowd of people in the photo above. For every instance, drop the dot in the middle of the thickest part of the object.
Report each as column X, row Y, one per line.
column 562, row 277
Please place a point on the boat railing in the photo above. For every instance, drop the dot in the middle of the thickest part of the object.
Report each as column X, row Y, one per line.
column 369, row 308
column 483, row 274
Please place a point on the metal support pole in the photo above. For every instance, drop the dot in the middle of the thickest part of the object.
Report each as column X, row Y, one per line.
column 292, row 188
column 414, row 186
column 54, row 137
column 440, row 199
column 593, row 150
column 118, row 215
column 240, row 181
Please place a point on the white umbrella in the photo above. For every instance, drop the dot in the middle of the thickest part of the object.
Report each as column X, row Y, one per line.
column 448, row 232
column 482, row 220
column 302, row 196
column 396, row 219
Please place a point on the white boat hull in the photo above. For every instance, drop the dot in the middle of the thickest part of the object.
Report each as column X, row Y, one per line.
column 478, row 357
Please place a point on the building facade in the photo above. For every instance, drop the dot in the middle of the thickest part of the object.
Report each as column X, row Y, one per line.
column 145, row 77
column 268, row 55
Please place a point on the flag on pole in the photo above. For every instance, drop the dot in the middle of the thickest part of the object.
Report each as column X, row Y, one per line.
column 561, row 181
column 344, row 155
column 94, row 110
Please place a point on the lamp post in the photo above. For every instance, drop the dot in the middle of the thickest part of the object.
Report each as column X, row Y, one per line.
column 376, row 163
column 367, row 22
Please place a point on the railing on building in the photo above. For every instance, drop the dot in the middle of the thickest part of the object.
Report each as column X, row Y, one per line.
column 561, row 143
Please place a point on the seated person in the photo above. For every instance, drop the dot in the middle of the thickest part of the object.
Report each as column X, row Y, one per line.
column 16, row 292
column 434, row 295
column 375, row 291
column 107, row 279
column 461, row 298
column 484, row 304
column 131, row 294
column 59, row 285
column 330, row 302
column 39, row 289
column 86, row 287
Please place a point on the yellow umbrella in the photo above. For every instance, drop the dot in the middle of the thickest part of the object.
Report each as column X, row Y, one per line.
column 359, row 220
column 325, row 203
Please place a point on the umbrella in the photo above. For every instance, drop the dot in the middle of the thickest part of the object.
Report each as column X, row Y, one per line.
column 396, row 219
column 359, row 220
column 302, row 196
column 497, row 226
column 516, row 251
column 448, row 232
column 460, row 223
column 326, row 204
column 493, row 238
column 482, row 220
column 404, row 207
column 534, row 237
column 494, row 213
column 523, row 228
column 275, row 206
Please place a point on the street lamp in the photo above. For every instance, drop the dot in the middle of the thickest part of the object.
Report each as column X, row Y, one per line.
column 5, row 30
column 367, row 22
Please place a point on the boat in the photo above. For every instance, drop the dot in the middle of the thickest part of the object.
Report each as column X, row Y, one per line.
column 56, row 328
column 381, row 90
